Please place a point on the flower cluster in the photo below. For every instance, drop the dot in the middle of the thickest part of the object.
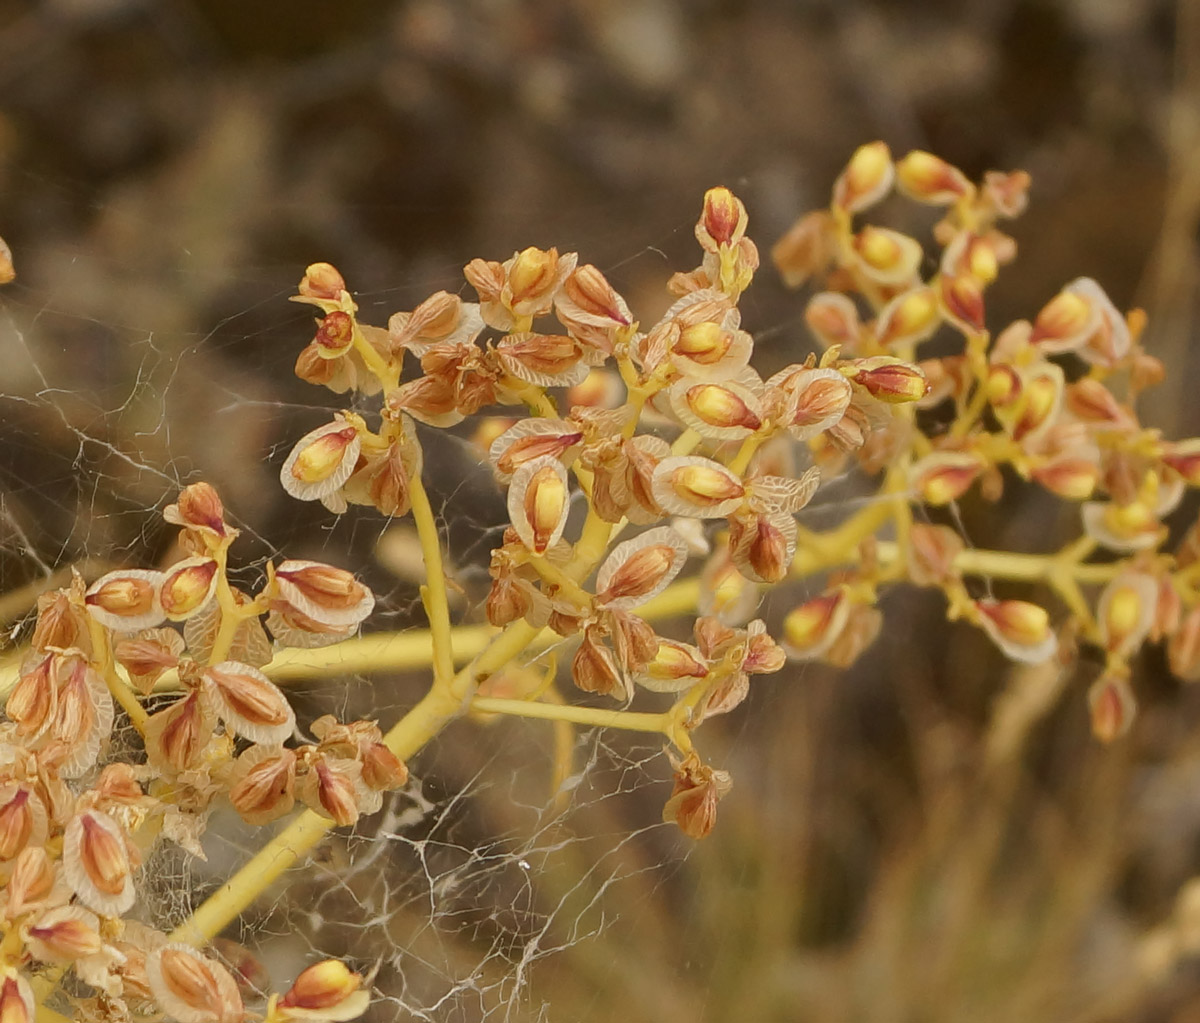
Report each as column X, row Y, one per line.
column 74, row 827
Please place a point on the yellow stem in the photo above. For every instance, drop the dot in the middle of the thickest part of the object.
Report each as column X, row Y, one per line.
column 387, row 375
column 597, row 717
column 555, row 576
column 433, row 593
column 121, row 692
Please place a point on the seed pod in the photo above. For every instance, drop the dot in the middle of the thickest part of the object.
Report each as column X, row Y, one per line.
column 263, row 784
column 187, row 587
column 23, row 820
column 545, row 360
column 533, row 438
column 944, row 476
column 331, row 596
column 1019, row 628
column 83, row 716
column 331, row 788
column 148, row 654
column 888, row 257
column 250, row 703
column 722, row 220
column 806, row 249
column 321, row 461
column 763, row 544
column 126, row 600
column 30, row 881
column 442, row 317
column 538, row 502
column 866, row 180
column 833, row 319
column 909, row 318
column 1125, row 612
column 594, row 668
column 198, row 507
column 811, row 629
column 322, row 281
column 17, row 1004
column 192, row 988
column 34, row 699
column 888, row 380
column 725, row 410
column 930, row 179
column 1113, row 707
column 326, row 991
column 177, row 735
column 814, row 400
column 96, row 863
column 674, row 668
column 64, row 934
column 695, row 486
column 697, row 790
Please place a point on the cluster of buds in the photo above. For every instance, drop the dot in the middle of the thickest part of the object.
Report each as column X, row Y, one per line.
column 74, row 827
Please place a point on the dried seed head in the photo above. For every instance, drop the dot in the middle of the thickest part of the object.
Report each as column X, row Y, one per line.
column 814, row 399
column 148, row 654
column 192, row 988
column 1113, row 707
column 762, row 545
column 693, row 803
column 382, row 769
column 547, row 360
column 1019, row 628
column 866, row 179
column 930, row 179
column 96, row 863
column 594, row 668
column 721, row 411
column 441, row 317
column 331, row 596
column 126, row 600
column 328, row 991
column 588, row 298
column 538, row 502
column 640, row 568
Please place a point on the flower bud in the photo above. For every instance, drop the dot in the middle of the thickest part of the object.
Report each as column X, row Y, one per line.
column 321, row 461
column 722, row 221
column 674, row 667
column 1065, row 322
column 382, row 769
column 930, row 179
column 530, row 439
column 327, row 990
column 961, row 296
column 331, row 788
column 1003, row 386
column 594, row 668
column 762, row 545
column 547, row 360
column 265, row 786
column 705, row 343
column 593, row 299
column 199, row 507
column 321, row 280
column 640, row 568
column 806, row 249
column 866, row 179
column 31, row 703
column 177, row 735
column 532, row 270
column 1125, row 612
column 1069, row 476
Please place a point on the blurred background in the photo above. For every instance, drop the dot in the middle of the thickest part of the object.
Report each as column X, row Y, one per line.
column 929, row 836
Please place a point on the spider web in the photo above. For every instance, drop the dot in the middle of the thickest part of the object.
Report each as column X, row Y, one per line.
column 478, row 891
